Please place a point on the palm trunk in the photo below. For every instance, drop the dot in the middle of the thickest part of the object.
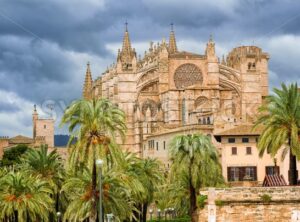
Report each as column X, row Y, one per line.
column 93, row 216
column 193, row 205
column 192, row 190
column 293, row 172
column 144, row 214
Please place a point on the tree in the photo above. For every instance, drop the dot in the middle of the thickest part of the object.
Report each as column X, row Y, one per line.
column 12, row 155
column 95, row 124
column 116, row 196
column 47, row 165
column 142, row 177
column 280, row 118
column 151, row 177
column 24, row 197
column 195, row 160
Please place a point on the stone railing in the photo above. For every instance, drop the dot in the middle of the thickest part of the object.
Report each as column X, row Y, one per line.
column 251, row 204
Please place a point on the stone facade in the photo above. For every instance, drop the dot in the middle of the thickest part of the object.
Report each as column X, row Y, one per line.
column 275, row 204
column 168, row 89
column 43, row 129
column 43, row 133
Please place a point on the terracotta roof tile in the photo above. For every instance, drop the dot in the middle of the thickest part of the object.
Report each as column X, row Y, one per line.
column 21, row 140
column 243, row 130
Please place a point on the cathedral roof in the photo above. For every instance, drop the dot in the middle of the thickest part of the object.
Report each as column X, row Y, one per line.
column 186, row 55
column 242, row 130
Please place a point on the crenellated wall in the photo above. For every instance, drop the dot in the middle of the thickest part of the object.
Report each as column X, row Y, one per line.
column 251, row 204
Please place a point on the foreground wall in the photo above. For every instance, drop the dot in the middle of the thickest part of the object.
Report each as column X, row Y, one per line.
column 253, row 204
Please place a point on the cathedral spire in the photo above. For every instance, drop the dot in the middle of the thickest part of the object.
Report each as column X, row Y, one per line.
column 210, row 48
column 127, row 56
column 172, row 40
column 126, row 47
column 88, row 83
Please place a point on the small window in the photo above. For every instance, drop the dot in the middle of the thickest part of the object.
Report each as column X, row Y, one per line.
column 249, row 65
column 256, row 139
column 164, row 145
column 245, row 140
column 208, row 120
column 156, row 145
column 272, row 170
column 231, row 140
column 233, row 151
column 248, row 150
column 45, row 126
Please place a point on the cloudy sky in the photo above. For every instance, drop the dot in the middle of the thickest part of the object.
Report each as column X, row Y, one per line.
column 45, row 45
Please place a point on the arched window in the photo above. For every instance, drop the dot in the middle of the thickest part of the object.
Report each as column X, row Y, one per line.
column 208, row 120
column 204, row 120
column 200, row 121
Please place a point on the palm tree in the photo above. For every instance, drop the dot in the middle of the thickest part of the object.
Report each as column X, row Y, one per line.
column 25, row 197
column 144, row 176
column 95, row 124
column 47, row 165
column 151, row 176
column 280, row 118
column 195, row 159
column 78, row 189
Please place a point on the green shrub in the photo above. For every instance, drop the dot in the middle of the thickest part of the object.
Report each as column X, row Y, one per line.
column 266, row 198
column 201, row 201
column 219, row 203
column 181, row 219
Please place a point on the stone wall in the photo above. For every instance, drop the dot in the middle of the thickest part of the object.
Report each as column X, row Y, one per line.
column 253, row 204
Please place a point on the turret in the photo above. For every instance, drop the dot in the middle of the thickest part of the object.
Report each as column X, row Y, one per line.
column 212, row 64
column 35, row 117
column 210, row 51
column 127, row 56
column 172, row 41
column 88, row 84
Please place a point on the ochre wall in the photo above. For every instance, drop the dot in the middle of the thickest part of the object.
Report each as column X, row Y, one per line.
column 246, row 205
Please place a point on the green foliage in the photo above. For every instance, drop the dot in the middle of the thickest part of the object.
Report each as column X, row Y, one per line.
column 195, row 165
column 95, row 124
column 12, row 155
column 131, row 181
column 280, row 116
column 201, row 201
column 27, row 195
column 219, row 203
column 180, row 219
column 47, row 165
column 266, row 198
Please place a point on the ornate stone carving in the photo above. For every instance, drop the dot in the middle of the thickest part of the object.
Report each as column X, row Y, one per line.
column 151, row 104
column 200, row 100
column 187, row 75
column 150, row 88
column 148, row 76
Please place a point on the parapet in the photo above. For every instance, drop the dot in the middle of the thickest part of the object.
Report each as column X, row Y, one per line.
column 239, row 54
column 4, row 137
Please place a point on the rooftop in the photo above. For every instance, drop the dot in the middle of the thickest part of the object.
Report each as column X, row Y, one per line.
column 243, row 130
column 21, row 140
